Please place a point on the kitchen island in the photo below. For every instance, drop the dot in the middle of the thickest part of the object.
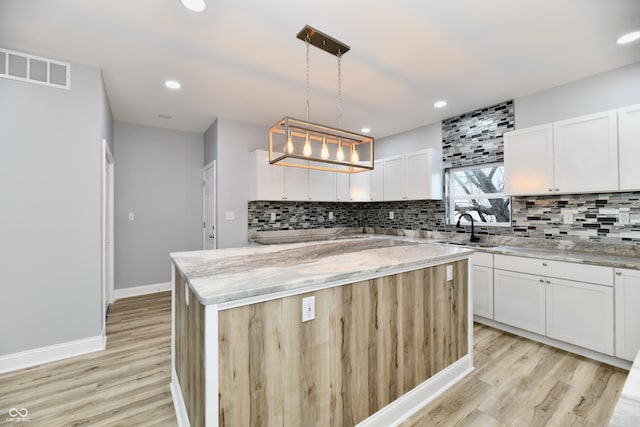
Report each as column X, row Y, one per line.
column 391, row 330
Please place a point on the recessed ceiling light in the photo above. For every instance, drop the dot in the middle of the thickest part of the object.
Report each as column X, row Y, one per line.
column 194, row 5
column 629, row 37
column 365, row 130
column 172, row 84
column 164, row 116
column 440, row 104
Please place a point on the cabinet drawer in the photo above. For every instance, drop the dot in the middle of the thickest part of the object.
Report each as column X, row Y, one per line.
column 482, row 258
column 559, row 269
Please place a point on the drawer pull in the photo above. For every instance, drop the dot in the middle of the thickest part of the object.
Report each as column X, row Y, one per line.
column 541, row 280
column 544, row 264
column 549, row 281
column 618, row 273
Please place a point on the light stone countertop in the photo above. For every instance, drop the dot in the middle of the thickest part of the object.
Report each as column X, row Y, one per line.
column 224, row 275
column 627, row 410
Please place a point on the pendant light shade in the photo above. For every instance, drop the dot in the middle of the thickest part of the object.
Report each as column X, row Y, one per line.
column 303, row 144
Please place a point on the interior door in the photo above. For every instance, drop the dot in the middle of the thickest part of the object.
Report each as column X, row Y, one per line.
column 209, row 198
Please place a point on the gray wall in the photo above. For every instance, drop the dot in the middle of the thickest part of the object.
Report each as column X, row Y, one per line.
column 50, row 205
column 211, row 143
column 428, row 136
column 235, row 141
column 158, row 177
column 601, row 92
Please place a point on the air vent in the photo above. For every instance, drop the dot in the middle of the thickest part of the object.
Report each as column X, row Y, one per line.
column 34, row 69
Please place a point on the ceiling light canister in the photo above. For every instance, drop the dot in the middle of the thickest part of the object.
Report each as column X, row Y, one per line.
column 172, row 84
column 629, row 37
column 194, row 5
column 440, row 104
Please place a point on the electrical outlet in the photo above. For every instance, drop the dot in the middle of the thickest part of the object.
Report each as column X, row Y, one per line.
column 330, row 216
column 132, row 216
column 186, row 293
column 623, row 219
column 567, row 218
column 308, row 308
column 449, row 273
column 230, row 215
column 391, row 215
column 273, row 216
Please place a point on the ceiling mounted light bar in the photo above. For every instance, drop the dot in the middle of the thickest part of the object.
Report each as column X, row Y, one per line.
column 302, row 144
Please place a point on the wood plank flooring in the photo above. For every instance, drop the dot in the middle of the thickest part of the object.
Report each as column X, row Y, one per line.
column 125, row 385
column 517, row 382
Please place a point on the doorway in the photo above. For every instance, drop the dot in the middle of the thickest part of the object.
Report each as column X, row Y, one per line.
column 209, row 207
column 107, row 232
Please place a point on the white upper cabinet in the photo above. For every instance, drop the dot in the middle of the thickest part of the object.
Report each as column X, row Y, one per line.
column 629, row 147
column 296, row 181
column 586, row 153
column 376, row 181
column 579, row 155
column 342, row 187
column 413, row 176
column 360, row 186
column 528, row 161
column 394, row 172
column 322, row 186
column 266, row 181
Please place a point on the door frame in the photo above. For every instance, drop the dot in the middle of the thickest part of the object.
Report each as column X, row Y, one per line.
column 213, row 166
column 107, row 227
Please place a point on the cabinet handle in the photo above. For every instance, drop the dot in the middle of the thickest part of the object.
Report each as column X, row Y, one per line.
column 548, row 281
column 550, row 189
column 557, row 189
column 618, row 273
column 544, row 264
column 541, row 280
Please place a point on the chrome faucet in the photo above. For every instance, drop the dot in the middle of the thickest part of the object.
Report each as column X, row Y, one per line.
column 473, row 238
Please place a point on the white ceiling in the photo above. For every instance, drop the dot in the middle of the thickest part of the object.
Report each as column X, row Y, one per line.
column 241, row 59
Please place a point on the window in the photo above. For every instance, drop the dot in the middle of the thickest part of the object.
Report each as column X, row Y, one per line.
column 479, row 191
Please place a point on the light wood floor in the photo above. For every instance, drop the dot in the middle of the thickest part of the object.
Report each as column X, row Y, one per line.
column 517, row 382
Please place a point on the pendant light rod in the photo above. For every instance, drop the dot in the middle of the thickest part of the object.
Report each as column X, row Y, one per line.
column 323, row 41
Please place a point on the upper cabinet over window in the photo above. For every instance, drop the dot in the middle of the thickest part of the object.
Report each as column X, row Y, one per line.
column 578, row 155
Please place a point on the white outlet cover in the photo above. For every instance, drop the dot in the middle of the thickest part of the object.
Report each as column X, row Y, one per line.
column 132, row 216
column 624, row 218
column 273, row 216
column 391, row 215
column 449, row 272
column 330, row 215
column 308, row 308
column 567, row 218
column 230, row 215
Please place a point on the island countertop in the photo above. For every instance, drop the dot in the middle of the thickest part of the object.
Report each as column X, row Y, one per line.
column 225, row 275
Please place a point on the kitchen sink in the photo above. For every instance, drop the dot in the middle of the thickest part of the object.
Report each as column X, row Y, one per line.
column 469, row 244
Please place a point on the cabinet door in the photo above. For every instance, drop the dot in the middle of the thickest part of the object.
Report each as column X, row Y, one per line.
column 418, row 175
column 519, row 300
column 585, row 153
column 322, row 185
column 342, row 187
column 394, row 179
column 581, row 314
column 629, row 147
column 296, row 182
column 528, row 161
column 266, row 180
column 483, row 291
column 376, row 181
column 627, row 308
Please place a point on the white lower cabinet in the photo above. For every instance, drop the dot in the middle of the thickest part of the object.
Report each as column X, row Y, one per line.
column 519, row 300
column 580, row 314
column 482, row 284
column 627, row 304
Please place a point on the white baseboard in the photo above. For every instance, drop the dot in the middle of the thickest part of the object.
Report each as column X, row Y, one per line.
column 409, row 403
column 142, row 290
column 52, row 353
column 178, row 402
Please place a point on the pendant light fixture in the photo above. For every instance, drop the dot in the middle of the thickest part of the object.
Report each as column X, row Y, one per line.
column 303, row 144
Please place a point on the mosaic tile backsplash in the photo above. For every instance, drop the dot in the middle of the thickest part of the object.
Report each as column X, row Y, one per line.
column 476, row 137
column 594, row 217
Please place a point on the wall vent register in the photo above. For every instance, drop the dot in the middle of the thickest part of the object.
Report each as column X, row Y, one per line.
column 34, row 69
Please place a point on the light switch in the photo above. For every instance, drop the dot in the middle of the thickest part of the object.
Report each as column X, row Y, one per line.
column 330, row 216
column 131, row 216
column 449, row 272
column 567, row 218
column 391, row 215
column 273, row 216
column 230, row 215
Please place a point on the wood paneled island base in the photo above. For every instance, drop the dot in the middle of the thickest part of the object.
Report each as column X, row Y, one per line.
column 376, row 351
